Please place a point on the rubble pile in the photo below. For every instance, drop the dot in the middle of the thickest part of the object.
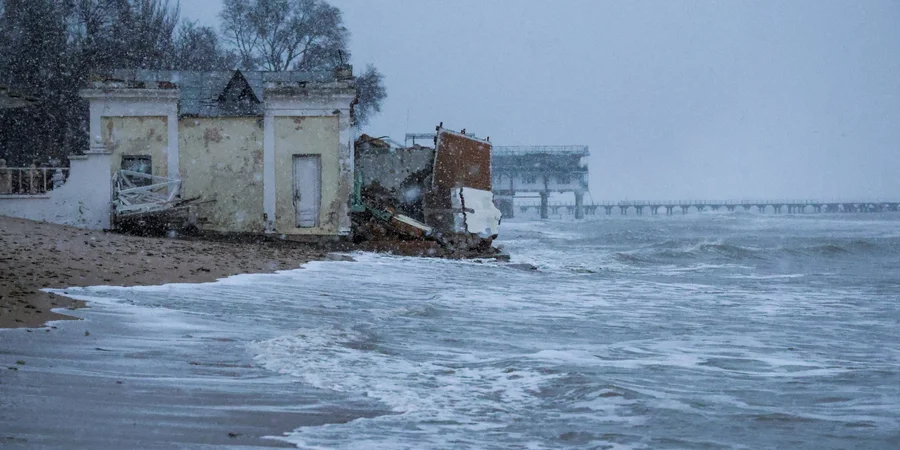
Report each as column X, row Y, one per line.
column 437, row 198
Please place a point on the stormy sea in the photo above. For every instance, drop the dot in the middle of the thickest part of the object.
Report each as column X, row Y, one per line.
column 698, row 331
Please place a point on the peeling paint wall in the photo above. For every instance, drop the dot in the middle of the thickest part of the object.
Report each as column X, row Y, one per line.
column 313, row 135
column 221, row 159
column 137, row 136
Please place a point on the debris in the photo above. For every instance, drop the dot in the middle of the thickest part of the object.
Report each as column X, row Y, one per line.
column 149, row 204
column 422, row 194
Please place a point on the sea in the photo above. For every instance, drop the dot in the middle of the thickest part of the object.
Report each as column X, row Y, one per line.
column 701, row 331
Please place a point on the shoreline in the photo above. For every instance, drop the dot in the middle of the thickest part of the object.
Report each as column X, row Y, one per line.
column 39, row 255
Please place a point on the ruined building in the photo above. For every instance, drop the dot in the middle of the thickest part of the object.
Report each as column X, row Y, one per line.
column 439, row 194
column 250, row 152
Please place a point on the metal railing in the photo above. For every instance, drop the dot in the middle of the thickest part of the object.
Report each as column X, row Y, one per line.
column 507, row 150
column 139, row 193
column 31, row 180
column 714, row 203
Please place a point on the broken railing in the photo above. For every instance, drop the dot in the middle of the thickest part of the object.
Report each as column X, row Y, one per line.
column 31, row 180
column 139, row 193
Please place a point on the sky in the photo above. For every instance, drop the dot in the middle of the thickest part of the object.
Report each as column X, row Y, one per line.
column 683, row 100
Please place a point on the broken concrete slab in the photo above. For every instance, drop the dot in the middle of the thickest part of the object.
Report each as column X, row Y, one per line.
column 419, row 193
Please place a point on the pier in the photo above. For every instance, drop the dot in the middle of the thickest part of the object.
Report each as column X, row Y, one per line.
column 541, row 170
column 671, row 207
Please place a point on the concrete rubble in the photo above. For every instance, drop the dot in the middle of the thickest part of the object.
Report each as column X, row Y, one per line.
column 436, row 199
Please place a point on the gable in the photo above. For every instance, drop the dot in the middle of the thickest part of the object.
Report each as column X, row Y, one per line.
column 238, row 98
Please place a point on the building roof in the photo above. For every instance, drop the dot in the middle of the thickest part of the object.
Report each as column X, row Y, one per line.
column 216, row 93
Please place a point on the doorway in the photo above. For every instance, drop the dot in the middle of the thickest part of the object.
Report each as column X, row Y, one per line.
column 307, row 189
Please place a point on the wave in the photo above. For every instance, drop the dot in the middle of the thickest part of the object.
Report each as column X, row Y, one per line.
column 839, row 248
column 669, row 252
column 679, row 252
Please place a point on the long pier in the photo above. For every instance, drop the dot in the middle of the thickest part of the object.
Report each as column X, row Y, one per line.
column 670, row 207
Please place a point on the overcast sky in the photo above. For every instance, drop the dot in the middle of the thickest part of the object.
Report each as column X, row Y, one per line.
column 676, row 99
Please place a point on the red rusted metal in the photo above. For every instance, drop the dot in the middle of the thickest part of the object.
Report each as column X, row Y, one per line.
column 459, row 161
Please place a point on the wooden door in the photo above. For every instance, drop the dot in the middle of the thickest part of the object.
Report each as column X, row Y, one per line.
column 307, row 189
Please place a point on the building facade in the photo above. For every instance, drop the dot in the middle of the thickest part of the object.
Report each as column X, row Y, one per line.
column 261, row 152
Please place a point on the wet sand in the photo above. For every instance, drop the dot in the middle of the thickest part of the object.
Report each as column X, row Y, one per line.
column 113, row 381
column 84, row 384
column 35, row 255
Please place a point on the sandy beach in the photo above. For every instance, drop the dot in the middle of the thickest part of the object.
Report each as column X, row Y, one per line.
column 38, row 255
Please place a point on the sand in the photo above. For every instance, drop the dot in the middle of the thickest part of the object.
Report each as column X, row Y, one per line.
column 35, row 255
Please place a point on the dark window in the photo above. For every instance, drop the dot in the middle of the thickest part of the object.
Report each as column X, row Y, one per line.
column 563, row 179
column 529, row 179
column 140, row 164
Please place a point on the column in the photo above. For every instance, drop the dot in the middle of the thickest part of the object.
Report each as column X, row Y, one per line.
column 545, row 198
column 269, row 171
column 579, row 205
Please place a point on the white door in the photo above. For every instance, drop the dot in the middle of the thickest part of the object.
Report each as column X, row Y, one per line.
column 307, row 189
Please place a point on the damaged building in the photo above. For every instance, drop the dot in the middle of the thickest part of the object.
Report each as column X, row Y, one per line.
column 252, row 152
column 270, row 153
column 261, row 152
column 232, row 151
column 439, row 194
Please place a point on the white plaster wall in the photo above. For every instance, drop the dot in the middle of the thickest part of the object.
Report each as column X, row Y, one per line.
column 83, row 201
column 312, row 106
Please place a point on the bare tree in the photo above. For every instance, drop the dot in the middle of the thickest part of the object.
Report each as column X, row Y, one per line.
column 371, row 92
column 145, row 33
column 307, row 35
column 239, row 32
column 49, row 49
column 198, row 48
column 285, row 34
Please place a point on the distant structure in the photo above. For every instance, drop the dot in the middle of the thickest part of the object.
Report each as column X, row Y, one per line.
column 775, row 206
column 535, row 169
column 542, row 170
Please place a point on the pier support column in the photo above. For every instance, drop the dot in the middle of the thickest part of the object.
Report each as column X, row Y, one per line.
column 509, row 209
column 579, row 205
column 545, row 199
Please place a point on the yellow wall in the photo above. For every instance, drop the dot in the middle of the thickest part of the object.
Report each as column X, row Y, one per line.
column 308, row 136
column 221, row 159
column 137, row 136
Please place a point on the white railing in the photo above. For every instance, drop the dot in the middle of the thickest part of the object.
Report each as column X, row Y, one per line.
column 137, row 193
column 504, row 150
column 31, row 180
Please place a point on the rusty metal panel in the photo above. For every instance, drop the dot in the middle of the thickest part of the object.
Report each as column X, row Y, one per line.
column 459, row 161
